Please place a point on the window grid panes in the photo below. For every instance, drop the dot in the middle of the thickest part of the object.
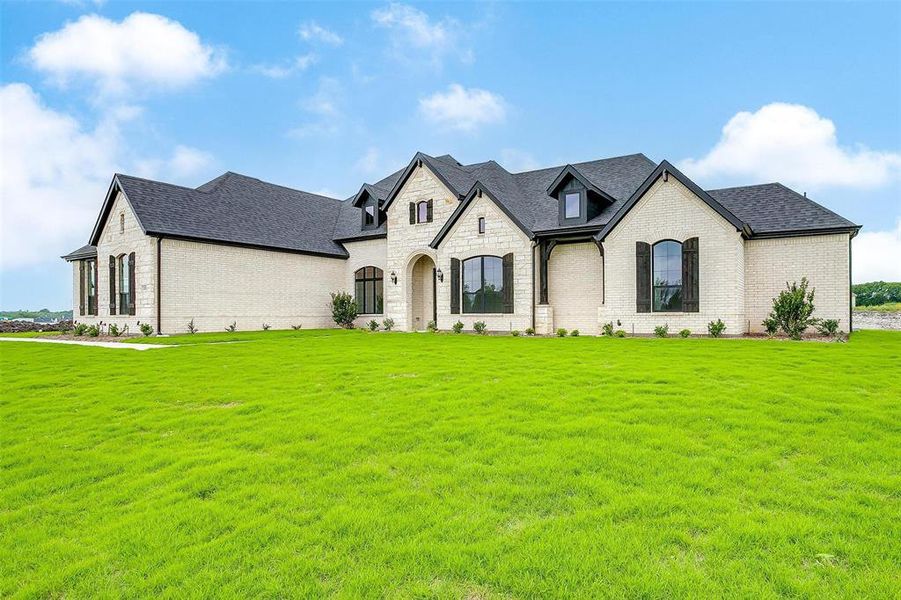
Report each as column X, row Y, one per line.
column 667, row 269
column 369, row 290
column 572, row 205
column 483, row 285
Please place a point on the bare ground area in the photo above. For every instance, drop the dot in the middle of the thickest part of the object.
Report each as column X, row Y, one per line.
column 869, row 319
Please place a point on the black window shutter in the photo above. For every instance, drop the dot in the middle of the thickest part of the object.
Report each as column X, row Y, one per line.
column 132, row 292
column 508, row 283
column 112, row 285
column 81, row 287
column 429, row 211
column 690, row 289
column 455, row 286
column 412, row 213
column 642, row 277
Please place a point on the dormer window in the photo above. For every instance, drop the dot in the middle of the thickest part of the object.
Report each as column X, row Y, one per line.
column 572, row 205
column 368, row 215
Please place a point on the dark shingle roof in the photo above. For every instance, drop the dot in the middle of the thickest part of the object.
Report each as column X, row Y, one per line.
column 86, row 251
column 237, row 209
column 773, row 208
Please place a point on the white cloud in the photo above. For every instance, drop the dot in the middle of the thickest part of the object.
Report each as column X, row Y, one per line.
column 311, row 31
column 369, row 162
column 876, row 255
column 463, row 109
column 143, row 49
column 517, row 161
column 55, row 172
column 792, row 144
column 325, row 105
column 414, row 35
column 280, row 71
column 184, row 162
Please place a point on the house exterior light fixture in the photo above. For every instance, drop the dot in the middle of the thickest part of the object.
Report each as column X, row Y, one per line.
column 393, row 277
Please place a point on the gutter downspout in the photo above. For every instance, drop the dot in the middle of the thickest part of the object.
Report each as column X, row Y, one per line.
column 534, row 245
column 159, row 283
column 850, row 290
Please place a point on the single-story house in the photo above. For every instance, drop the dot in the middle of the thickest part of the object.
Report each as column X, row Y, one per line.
column 622, row 240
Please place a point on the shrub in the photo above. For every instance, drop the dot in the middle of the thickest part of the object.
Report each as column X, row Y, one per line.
column 93, row 330
column 792, row 309
column 876, row 292
column 373, row 325
column 716, row 328
column 661, row 331
column 619, row 333
column 146, row 329
column 515, row 333
column 191, row 329
column 457, row 327
column 771, row 326
column 80, row 329
column 297, row 327
column 233, row 327
column 479, row 327
column 530, row 331
column 607, row 329
column 432, row 326
column 685, row 333
column 344, row 309
column 114, row 330
column 574, row 333
column 388, row 324
column 561, row 332
column 266, row 326
column 828, row 327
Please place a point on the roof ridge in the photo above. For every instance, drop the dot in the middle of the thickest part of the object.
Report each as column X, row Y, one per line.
column 741, row 187
column 184, row 187
column 584, row 162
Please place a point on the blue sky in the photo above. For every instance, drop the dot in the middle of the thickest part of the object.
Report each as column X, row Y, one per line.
column 326, row 96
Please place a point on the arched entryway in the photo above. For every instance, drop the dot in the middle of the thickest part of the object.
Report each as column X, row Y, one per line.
column 422, row 292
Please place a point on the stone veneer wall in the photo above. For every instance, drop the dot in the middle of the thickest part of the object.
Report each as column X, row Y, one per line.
column 114, row 242
column 575, row 287
column 669, row 210
column 823, row 259
column 215, row 284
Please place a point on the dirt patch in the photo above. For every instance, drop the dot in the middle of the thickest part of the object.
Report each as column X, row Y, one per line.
column 871, row 319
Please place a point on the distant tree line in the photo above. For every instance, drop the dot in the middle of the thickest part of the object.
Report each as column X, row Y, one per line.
column 877, row 292
column 63, row 315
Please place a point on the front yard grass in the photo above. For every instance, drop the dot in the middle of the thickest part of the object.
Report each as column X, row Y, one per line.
column 312, row 463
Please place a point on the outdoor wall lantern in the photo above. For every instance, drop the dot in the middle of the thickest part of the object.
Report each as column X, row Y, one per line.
column 440, row 275
column 393, row 277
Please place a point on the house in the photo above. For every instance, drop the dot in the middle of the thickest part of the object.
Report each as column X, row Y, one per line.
column 620, row 240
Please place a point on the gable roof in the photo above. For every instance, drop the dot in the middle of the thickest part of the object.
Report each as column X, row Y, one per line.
column 233, row 209
column 86, row 251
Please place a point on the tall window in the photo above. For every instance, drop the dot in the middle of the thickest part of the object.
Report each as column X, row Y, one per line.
column 667, row 269
column 368, row 289
column 90, row 286
column 422, row 212
column 483, row 285
column 124, row 284
column 481, row 224
column 122, row 223
column 572, row 205
column 369, row 214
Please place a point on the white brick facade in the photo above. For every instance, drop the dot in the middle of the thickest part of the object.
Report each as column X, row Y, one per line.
column 217, row 284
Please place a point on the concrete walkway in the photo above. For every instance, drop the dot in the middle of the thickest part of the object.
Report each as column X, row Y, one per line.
column 96, row 344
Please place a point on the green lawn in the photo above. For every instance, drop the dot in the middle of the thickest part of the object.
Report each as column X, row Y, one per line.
column 888, row 307
column 303, row 464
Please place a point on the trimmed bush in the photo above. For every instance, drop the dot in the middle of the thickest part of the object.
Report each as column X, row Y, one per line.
column 457, row 327
column 619, row 333
column 716, row 328
column 792, row 309
column 515, row 333
column 146, row 329
column 685, row 333
column 771, row 326
column 561, row 332
column 479, row 327
column 530, row 331
column 388, row 324
column 344, row 309
column 574, row 333
column 373, row 325
column 93, row 330
column 607, row 329
column 80, row 329
column 828, row 327
column 661, row 331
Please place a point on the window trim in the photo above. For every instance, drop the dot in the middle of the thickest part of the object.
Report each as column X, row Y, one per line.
column 369, row 282
column 578, row 194
column 422, row 211
column 90, row 281
column 655, row 287
column 481, row 258
column 123, row 276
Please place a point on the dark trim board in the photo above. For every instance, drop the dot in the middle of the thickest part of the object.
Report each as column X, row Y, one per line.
column 852, row 231
column 186, row 238
column 362, row 238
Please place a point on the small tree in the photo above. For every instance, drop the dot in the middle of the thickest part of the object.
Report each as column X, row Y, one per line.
column 792, row 309
column 344, row 309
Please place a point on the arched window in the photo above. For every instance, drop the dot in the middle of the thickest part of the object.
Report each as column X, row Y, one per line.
column 483, row 284
column 422, row 212
column 368, row 289
column 123, row 277
column 667, row 276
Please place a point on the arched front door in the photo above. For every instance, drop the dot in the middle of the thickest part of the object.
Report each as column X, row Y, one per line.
column 422, row 293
